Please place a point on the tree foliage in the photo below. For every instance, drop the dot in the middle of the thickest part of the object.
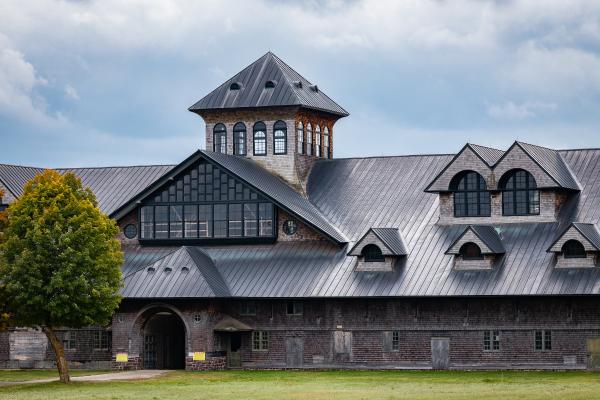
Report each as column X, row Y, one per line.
column 59, row 257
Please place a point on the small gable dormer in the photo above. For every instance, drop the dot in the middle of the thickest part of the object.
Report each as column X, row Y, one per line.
column 577, row 246
column 477, row 248
column 378, row 250
column 482, row 185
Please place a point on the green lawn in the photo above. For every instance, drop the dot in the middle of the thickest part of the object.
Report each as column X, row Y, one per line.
column 20, row 375
column 241, row 385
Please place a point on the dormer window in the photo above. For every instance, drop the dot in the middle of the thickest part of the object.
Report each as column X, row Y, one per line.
column 573, row 249
column 270, row 84
column 372, row 253
column 520, row 195
column 470, row 251
column 220, row 139
column 235, row 86
column 471, row 197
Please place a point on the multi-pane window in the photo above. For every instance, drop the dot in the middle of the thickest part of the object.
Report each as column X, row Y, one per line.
column 220, row 139
column 239, row 139
column 395, row 340
column 69, row 340
column 471, row 197
column 326, row 151
column 318, row 141
column 279, row 138
column 102, row 340
column 206, row 202
column 260, row 139
column 300, row 134
column 260, row 340
column 491, row 340
column 520, row 195
column 247, row 308
column 543, row 340
column 309, row 140
column 294, row 308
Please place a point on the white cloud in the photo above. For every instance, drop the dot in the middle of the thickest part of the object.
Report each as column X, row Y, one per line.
column 514, row 111
column 71, row 92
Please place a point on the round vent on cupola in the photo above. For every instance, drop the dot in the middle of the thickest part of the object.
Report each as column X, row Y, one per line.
column 270, row 84
column 168, row 269
column 235, row 86
column 185, row 269
column 151, row 269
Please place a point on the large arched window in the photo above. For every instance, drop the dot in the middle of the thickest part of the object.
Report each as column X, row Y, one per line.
column 471, row 197
column 519, row 193
column 220, row 139
column 239, row 139
column 309, row 146
column 260, row 139
column 573, row 249
column 318, row 141
column 279, row 138
column 300, row 134
column 372, row 253
column 326, row 152
column 470, row 251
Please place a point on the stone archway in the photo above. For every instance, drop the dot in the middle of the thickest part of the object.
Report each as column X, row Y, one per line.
column 162, row 337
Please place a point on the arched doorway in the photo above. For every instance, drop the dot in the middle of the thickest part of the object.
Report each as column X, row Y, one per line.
column 164, row 341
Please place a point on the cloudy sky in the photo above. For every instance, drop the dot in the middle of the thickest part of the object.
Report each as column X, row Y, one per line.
column 109, row 82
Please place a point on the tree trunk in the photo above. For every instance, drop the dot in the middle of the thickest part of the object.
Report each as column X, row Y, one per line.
column 59, row 354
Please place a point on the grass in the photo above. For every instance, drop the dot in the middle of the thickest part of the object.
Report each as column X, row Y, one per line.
column 347, row 385
column 21, row 375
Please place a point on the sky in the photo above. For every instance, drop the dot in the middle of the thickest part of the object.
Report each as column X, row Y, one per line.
column 97, row 83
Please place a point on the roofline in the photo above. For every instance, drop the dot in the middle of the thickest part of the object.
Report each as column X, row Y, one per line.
column 470, row 227
column 198, row 110
column 363, row 236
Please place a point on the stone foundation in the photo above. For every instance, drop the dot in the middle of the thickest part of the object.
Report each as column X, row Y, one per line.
column 212, row 363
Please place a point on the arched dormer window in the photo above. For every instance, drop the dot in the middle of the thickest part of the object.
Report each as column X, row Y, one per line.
column 471, row 197
column 270, row 84
column 573, row 249
column 520, row 195
column 260, row 139
column 372, row 253
column 470, row 251
column 318, row 141
column 235, row 86
column 326, row 152
column 239, row 139
column 309, row 146
column 220, row 139
column 300, row 133
column 279, row 138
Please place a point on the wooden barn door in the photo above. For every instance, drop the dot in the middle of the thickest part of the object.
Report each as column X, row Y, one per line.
column 440, row 353
column 294, row 352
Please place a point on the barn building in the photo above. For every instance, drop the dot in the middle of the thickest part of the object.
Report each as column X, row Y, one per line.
column 265, row 251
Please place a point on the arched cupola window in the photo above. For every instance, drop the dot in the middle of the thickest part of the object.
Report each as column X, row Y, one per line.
column 471, row 197
column 279, row 138
column 300, row 133
column 573, row 249
column 520, row 195
column 220, row 139
column 326, row 145
column 309, row 140
column 470, row 251
column 260, row 139
column 239, row 139
column 372, row 253
column 318, row 141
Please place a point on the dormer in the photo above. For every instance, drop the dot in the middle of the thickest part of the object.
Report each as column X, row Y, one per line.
column 477, row 248
column 577, row 246
column 482, row 185
column 378, row 250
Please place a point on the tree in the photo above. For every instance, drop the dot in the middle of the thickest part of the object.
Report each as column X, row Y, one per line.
column 59, row 259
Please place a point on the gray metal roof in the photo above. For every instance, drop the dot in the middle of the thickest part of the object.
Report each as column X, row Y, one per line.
column 488, row 154
column 291, row 89
column 551, row 162
column 185, row 272
column 14, row 177
column 392, row 239
column 487, row 234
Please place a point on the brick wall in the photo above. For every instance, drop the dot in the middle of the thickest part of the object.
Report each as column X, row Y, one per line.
column 304, row 232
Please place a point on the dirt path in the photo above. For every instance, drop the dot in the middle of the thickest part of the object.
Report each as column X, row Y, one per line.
column 112, row 376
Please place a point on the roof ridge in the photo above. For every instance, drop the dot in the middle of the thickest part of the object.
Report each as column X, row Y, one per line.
column 21, row 166
column 118, row 166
